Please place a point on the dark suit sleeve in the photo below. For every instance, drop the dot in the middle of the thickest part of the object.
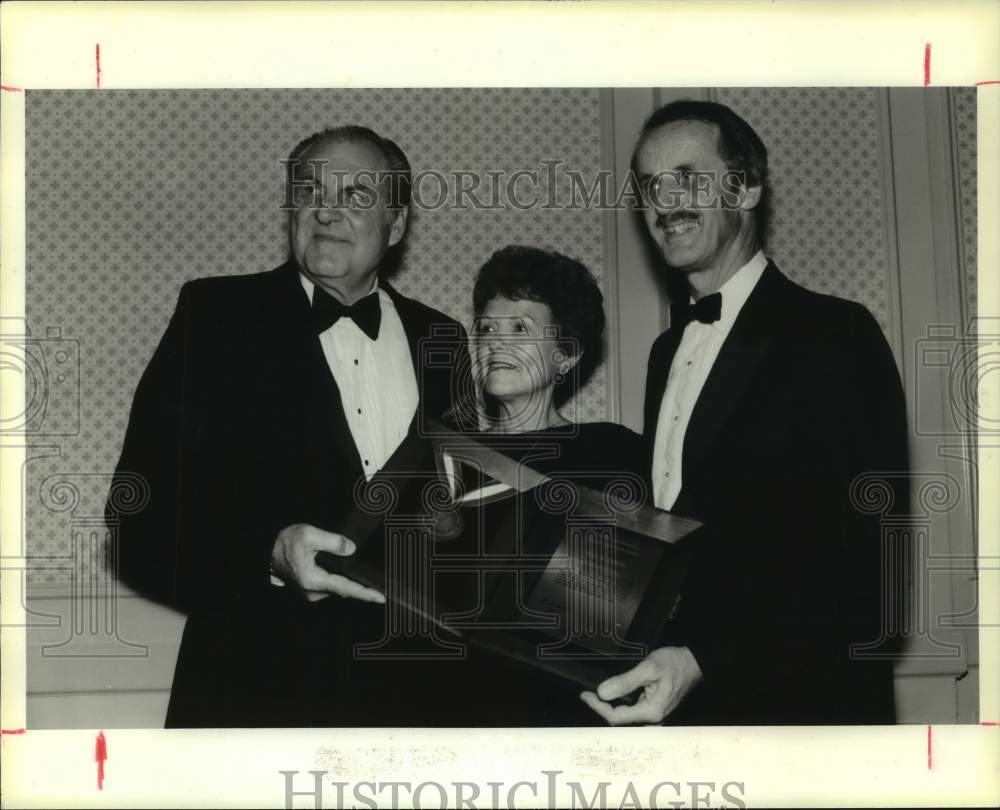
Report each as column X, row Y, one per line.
column 878, row 459
column 181, row 542
column 789, row 577
column 146, row 534
column 879, row 440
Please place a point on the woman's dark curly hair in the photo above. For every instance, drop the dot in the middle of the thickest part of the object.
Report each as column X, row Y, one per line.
column 566, row 287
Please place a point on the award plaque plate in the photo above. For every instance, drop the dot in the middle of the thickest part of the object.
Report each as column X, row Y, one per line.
column 577, row 581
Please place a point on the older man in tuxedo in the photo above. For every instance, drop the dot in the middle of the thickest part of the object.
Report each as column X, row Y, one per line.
column 271, row 399
column 764, row 404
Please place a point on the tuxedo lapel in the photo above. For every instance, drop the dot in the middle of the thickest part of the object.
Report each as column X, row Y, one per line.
column 414, row 326
column 313, row 385
column 430, row 340
column 739, row 358
column 658, row 373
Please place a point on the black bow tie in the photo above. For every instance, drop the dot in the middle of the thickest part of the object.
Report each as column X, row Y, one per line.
column 327, row 310
column 705, row 310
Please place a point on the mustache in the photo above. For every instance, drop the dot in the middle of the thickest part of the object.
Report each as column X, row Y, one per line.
column 674, row 217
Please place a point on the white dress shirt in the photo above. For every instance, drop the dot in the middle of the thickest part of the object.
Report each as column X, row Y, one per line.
column 377, row 382
column 696, row 354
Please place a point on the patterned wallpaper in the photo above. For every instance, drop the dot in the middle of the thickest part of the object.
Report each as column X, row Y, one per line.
column 823, row 155
column 131, row 193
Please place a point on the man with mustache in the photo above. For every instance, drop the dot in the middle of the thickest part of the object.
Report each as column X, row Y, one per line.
column 270, row 403
column 765, row 403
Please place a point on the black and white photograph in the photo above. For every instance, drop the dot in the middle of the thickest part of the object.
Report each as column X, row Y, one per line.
column 496, row 408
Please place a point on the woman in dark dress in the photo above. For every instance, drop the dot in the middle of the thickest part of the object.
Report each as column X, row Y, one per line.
column 538, row 338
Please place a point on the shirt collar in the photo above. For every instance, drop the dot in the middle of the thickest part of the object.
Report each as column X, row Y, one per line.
column 737, row 289
column 309, row 285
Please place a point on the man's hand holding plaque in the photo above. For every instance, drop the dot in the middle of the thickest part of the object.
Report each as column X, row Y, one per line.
column 665, row 677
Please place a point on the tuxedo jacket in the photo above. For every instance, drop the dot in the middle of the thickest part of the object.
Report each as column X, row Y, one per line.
column 237, row 430
column 789, row 582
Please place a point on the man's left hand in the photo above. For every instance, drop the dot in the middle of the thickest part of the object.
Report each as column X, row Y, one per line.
column 665, row 676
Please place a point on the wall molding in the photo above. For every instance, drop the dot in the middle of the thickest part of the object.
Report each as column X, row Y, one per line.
column 971, row 440
column 883, row 114
column 36, row 591
column 926, row 270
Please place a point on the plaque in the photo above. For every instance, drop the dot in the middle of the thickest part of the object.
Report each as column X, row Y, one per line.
column 581, row 582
